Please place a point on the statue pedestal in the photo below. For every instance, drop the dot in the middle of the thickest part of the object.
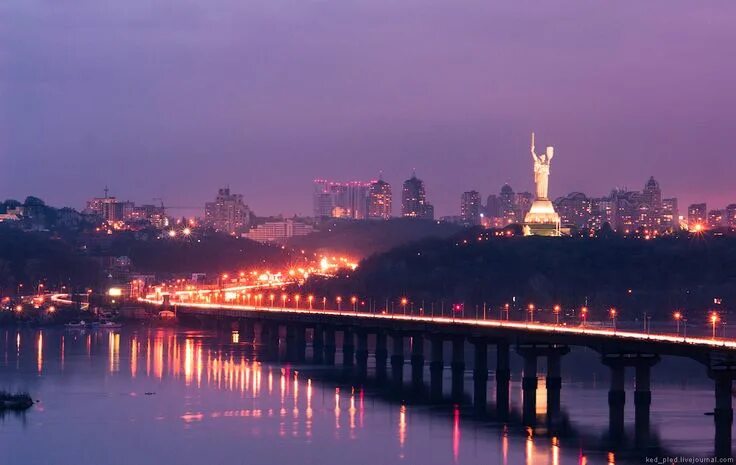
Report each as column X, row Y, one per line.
column 542, row 219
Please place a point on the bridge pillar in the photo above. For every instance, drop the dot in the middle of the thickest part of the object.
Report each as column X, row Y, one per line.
column 270, row 339
column 480, row 375
column 436, row 368
column 318, row 345
column 616, row 397
column 723, row 414
column 503, row 377
column 417, row 361
column 330, row 346
column 397, row 359
column 247, row 331
column 381, row 355
column 529, row 387
column 348, row 347
column 301, row 344
column 361, row 354
column 643, row 397
column 458, row 367
column 553, row 381
column 291, row 343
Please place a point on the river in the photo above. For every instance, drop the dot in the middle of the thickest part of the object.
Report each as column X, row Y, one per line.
column 146, row 395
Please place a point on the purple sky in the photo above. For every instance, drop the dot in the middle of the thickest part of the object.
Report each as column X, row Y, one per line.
column 174, row 98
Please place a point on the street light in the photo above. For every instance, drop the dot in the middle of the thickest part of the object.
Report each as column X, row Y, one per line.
column 507, row 308
column 283, row 300
column 557, row 310
column 354, row 301
column 531, row 312
column 613, row 313
column 310, row 298
column 324, row 303
column 677, row 316
column 714, row 318
column 272, row 297
column 339, row 303
column 296, row 299
column 404, row 301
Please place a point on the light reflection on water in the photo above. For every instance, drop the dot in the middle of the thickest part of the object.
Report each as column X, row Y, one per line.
column 198, row 398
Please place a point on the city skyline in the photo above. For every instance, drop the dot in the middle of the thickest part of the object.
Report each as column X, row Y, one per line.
column 459, row 111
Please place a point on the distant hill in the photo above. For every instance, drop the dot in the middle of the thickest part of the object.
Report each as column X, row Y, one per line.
column 362, row 239
column 636, row 276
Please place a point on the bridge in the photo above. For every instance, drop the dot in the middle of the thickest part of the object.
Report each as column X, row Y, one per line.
column 618, row 350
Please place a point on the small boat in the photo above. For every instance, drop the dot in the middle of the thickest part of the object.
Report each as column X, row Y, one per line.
column 79, row 325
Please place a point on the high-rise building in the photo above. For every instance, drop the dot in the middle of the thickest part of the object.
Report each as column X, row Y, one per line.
column 227, row 213
column 716, row 219
column 507, row 205
column 110, row 208
column 379, row 200
column 670, row 214
column 574, row 210
column 602, row 211
column 493, row 206
column 522, row 204
column 341, row 199
column 470, row 208
column 697, row 216
column 651, row 205
column 414, row 200
column 731, row 215
column 154, row 214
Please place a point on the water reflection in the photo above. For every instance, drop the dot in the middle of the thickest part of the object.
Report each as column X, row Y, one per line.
column 196, row 378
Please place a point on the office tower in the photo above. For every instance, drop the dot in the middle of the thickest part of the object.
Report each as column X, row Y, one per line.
column 227, row 213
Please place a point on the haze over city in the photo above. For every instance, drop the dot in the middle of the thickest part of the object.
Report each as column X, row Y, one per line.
column 176, row 99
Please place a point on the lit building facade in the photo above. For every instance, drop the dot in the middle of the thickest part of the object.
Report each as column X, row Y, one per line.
column 341, row 199
column 414, row 200
column 379, row 200
column 470, row 208
column 697, row 218
column 227, row 213
column 278, row 231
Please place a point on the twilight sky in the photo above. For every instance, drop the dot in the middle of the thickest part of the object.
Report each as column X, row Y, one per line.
column 174, row 98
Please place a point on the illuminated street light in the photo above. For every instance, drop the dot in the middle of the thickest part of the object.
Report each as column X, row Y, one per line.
column 557, row 310
column 531, row 312
column 678, row 317
column 404, row 301
column 283, row 300
column 507, row 308
column 612, row 312
column 584, row 314
column 354, row 301
column 339, row 303
column 324, row 303
column 714, row 319
column 310, row 298
column 272, row 297
column 296, row 299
